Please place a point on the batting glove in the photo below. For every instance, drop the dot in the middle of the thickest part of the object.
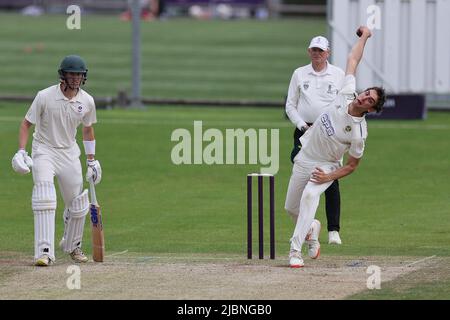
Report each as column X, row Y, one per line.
column 94, row 171
column 21, row 162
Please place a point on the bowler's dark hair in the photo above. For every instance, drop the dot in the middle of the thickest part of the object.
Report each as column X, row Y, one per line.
column 381, row 98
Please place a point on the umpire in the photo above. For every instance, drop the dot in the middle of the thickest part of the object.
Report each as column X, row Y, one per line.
column 312, row 88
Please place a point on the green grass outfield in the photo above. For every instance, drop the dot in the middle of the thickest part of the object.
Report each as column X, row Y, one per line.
column 396, row 203
column 181, row 58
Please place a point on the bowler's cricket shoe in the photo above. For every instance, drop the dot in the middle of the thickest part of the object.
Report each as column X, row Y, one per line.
column 295, row 259
column 78, row 256
column 312, row 239
column 43, row 261
column 333, row 238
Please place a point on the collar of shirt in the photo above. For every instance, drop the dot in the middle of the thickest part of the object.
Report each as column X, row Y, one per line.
column 60, row 95
column 321, row 73
column 354, row 119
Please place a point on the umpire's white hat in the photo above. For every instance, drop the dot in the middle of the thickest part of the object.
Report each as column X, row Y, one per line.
column 319, row 42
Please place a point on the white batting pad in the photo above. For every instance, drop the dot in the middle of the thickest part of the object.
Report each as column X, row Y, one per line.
column 66, row 216
column 75, row 224
column 44, row 196
column 43, row 203
column 44, row 233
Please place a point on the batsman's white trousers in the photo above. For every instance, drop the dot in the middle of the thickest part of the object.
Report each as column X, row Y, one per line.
column 64, row 164
column 303, row 197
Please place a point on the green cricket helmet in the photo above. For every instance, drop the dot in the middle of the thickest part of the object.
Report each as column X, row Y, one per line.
column 73, row 63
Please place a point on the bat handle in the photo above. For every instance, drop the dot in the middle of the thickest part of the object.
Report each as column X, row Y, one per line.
column 92, row 191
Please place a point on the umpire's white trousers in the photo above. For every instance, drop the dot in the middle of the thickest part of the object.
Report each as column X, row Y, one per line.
column 303, row 197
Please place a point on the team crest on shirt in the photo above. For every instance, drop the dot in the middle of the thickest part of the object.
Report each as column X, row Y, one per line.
column 329, row 89
column 348, row 129
column 332, row 89
column 306, row 85
column 80, row 108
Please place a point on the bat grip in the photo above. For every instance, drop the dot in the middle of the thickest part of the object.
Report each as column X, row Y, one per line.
column 92, row 191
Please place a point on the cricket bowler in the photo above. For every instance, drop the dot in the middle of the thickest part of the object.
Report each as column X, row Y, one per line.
column 340, row 129
column 56, row 113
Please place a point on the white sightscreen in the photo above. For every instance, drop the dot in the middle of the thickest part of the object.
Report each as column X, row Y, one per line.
column 410, row 53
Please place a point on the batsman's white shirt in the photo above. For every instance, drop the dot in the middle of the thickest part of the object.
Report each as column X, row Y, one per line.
column 57, row 118
column 335, row 131
column 310, row 91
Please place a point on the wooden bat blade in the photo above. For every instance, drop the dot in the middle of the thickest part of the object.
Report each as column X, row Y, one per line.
column 98, row 241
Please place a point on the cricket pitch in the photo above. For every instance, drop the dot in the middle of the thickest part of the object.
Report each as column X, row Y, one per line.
column 199, row 277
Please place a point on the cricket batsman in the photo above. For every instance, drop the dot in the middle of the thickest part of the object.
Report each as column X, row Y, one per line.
column 56, row 112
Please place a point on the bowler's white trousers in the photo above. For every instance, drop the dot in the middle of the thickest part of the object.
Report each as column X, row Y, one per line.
column 303, row 197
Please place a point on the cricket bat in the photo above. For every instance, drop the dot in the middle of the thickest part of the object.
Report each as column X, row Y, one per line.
column 98, row 241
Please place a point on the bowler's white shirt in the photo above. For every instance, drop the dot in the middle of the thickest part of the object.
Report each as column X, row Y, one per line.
column 309, row 92
column 57, row 118
column 335, row 131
